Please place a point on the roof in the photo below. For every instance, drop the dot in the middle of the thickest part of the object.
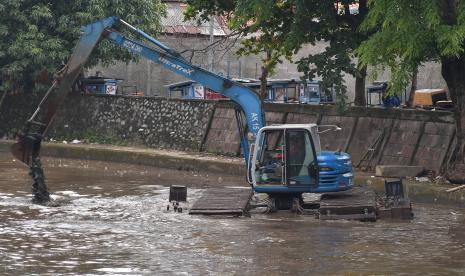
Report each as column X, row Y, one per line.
column 99, row 80
column 190, row 82
column 288, row 126
column 180, row 84
column 174, row 22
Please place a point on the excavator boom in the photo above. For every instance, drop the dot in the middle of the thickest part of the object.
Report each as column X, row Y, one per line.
column 28, row 144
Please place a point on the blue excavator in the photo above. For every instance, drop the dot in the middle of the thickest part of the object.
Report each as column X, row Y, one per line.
column 282, row 160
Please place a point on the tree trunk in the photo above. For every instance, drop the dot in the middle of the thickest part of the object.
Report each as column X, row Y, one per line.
column 2, row 100
column 413, row 88
column 263, row 83
column 264, row 76
column 360, row 99
column 452, row 72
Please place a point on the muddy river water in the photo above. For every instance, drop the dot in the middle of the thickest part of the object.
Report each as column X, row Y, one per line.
column 113, row 220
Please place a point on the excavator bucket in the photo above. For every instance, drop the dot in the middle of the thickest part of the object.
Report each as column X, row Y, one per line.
column 26, row 147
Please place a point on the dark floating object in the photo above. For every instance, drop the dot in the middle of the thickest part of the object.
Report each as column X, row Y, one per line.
column 395, row 205
column 178, row 194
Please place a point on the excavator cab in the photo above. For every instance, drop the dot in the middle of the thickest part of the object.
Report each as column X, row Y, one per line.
column 285, row 159
column 288, row 159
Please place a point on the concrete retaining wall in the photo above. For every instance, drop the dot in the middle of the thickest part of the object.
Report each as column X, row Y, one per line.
column 407, row 137
column 223, row 135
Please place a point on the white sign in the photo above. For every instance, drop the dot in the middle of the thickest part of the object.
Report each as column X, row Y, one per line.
column 111, row 89
column 199, row 92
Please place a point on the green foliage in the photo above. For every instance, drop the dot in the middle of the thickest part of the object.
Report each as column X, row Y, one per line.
column 282, row 27
column 38, row 36
column 410, row 33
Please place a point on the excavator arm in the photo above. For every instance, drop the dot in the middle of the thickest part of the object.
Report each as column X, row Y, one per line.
column 29, row 139
column 27, row 148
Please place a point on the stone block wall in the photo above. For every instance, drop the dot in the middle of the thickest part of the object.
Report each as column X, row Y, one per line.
column 151, row 122
column 407, row 137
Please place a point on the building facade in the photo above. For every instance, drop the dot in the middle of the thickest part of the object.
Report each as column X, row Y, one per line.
column 192, row 40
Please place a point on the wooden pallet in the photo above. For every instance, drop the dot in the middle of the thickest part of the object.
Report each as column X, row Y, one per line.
column 356, row 204
column 222, row 201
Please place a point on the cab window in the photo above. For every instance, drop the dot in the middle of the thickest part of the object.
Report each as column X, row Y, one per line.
column 270, row 168
column 300, row 156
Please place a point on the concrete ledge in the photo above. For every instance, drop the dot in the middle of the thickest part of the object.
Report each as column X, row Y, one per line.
column 142, row 156
column 398, row 171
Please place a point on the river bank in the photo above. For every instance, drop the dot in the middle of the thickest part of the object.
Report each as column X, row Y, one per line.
column 424, row 192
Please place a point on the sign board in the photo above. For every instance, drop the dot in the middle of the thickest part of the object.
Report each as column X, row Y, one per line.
column 199, row 92
column 111, row 89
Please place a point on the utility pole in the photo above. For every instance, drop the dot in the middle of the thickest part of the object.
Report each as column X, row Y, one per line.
column 210, row 52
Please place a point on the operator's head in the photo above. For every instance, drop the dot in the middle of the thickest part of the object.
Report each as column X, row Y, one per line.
column 297, row 139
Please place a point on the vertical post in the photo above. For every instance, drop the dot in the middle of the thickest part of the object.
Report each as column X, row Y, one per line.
column 210, row 53
column 239, row 69
column 228, row 71
column 149, row 75
column 129, row 74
